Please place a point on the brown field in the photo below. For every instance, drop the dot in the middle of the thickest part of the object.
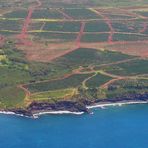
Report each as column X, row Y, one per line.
column 131, row 48
column 42, row 53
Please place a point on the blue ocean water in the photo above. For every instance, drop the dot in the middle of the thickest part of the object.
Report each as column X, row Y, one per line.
column 114, row 127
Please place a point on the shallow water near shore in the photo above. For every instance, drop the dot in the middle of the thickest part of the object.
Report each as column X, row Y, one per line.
column 112, row 127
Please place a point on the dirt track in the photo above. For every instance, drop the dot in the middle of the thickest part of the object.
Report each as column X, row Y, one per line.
column 24, row 34
column 108, row 22
column 2, row 40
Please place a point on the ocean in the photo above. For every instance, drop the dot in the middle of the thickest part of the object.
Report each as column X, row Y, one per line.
column 112, row 127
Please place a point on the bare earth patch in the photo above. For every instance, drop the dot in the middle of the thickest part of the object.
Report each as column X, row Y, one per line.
column 131, row 48
column 46, row 53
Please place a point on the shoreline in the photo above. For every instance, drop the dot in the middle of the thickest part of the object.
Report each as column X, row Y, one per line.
column 12, row 113
column 36, row 115
column 121, row 103
column 89, row 107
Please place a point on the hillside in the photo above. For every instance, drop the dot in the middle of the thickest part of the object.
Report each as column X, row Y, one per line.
column 68, row 54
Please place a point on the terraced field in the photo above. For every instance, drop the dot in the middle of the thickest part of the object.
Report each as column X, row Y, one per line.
column 55, row 51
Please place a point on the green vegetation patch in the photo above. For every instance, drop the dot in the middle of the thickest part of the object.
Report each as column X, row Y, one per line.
column 11, row 76
column 143, row 13
column 97, row 81
column 87, row 56
column 15, row 58
column 7, row 33
column 35, row 26
column 17, row 14
column 60, row 37
column 52, row 95
column 10, row 26
column 122, row 27
column 128, row 37
column 96, row 26
column 81, row 13
column 136, row 67
column 47, row 14
column 119, row 3
column 116, row 16
column 131, row 26
column 125, row 88
column 11, row 97
column 63, row 26
column 72, row 81
column 100, row 37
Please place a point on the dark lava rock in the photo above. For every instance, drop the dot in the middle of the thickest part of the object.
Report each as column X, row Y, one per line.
column 22, row 112
column 58, row 106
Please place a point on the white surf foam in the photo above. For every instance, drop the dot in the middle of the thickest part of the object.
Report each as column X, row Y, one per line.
column 56, row 112
column 103, row 105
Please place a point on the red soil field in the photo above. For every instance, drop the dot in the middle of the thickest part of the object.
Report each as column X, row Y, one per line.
column 137, row 48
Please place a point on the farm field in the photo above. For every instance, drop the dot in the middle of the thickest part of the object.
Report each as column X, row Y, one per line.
column 72, row 51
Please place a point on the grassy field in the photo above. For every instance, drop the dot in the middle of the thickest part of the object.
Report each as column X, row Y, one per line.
column 11, row 97
column 97, row 81
column 96, row 26
column 55, row 95
column 119, row 3
column 128, row 37
column 63, row 26
column 95, row 37
column 16, row 14
column 10, row 25
column 46, row 13
column 72, row 81
column 63, row 37
column 81, row 13
column 88, row 56
column 136, row 67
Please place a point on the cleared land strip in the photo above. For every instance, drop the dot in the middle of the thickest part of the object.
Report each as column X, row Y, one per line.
column 80, row 20
column 23, row 36
column 68, row 32
column 78, row 39
column 54, row 94
column 66, row 20
column 2, row 39
column 27, row 93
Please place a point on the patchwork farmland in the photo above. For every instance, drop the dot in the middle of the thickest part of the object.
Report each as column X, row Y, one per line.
column 52, row 54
